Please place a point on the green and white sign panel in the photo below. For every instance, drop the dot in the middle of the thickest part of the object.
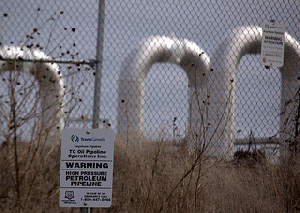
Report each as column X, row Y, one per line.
column 86, row 167
column 272, row 46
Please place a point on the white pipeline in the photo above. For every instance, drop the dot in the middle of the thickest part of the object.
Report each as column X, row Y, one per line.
column 133, row 74
column 51, row 86
column 225, row 60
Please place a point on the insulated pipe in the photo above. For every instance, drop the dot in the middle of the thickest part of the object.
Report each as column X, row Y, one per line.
column 51, row 88
column 133, row 75
column 224, row 63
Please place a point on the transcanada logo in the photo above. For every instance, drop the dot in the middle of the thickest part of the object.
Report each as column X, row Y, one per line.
column 75, row 138
column 92, row 139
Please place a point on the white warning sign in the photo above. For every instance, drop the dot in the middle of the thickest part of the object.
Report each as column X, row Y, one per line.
column 272, row 46
column 86, row 167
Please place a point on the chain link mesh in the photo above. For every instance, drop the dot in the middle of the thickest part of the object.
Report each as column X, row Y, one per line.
column 68, row 30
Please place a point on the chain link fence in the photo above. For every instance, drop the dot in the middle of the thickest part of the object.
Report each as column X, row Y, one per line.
column 171, row 74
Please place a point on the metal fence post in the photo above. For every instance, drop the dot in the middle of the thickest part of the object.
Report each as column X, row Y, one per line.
column 99, row 65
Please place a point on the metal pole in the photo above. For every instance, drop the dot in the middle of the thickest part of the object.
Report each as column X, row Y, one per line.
column 53, row 60
column 97, row 90
column 86, row 210
column 99, row 59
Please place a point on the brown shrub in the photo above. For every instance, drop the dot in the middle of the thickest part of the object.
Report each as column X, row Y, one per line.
column 157, row 177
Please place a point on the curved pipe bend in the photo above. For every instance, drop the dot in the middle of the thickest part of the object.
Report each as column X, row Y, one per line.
column 51, row 86
column 225, row 61
column 134, row 71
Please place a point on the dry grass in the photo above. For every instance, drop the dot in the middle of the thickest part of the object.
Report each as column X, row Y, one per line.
column 154, row 177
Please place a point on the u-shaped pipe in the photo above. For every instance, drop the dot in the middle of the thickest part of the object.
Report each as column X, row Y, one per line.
column 51, row 86
column 133, row 74
column 225, row 60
